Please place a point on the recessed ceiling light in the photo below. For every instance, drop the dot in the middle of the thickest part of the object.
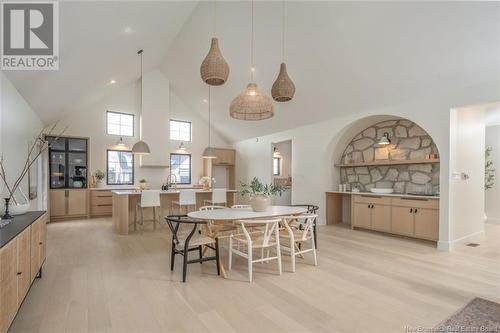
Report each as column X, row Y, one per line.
column 128, row 30
column 112, row 82
column 205, row 100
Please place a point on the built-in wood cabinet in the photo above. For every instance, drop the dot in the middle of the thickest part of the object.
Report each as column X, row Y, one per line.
column 413, row 217
column 20, row 261
column 101, row 203
column 224, row 156
column 8, row 284
column 67, row 203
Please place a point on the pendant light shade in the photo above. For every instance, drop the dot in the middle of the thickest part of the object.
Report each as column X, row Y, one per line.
column 209, row 153
column 283, row 88
column 141, row 147
column 251, row 104
column 121, row 146
column 214, row 69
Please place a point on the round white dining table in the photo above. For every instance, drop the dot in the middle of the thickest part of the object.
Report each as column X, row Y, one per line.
column 233, row 214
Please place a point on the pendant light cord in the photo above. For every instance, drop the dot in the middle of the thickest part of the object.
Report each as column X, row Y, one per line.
column 140, row 115
column 252, row 55
column 215, row 18
column 283, row 36
column 209, row 115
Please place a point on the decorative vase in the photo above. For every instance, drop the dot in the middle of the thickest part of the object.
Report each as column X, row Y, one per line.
column 6, row 216
column 260, row 202
column 206, row 186
column 143, row 186
column 19, row 209
column 99, row 184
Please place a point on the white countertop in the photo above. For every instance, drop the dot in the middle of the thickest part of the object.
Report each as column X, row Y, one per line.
column 177, row 191
column 129, row 188
column 399, row 195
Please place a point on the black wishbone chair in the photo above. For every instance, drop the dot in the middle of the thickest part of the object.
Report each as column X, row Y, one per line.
column 191, row 242
column 311, row 209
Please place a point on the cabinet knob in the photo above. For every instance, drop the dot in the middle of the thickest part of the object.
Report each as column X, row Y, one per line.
column 40, row 243
column 19, row 273
column 411, row 210
column 416, row 210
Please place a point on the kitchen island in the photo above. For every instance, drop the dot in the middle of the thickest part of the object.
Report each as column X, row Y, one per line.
column 124, row 203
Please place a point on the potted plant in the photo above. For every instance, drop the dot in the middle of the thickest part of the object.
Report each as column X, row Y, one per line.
column 260, row 194
column 99, row 177
column 207, row 182
column 143, row 184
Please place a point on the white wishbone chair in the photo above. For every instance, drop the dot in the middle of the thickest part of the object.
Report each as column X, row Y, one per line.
column 294, row 238
column 266, row 239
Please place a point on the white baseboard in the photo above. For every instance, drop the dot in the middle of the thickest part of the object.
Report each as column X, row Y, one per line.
column 451, row 245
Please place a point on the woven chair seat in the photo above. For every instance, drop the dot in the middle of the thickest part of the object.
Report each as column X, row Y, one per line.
column 257, row 240
column 297, row 235
column 196, row 240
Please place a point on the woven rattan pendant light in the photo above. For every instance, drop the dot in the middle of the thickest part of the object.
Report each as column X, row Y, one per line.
column 214, row 69
column 252, row 104
column 283, row 88
column 209, row 152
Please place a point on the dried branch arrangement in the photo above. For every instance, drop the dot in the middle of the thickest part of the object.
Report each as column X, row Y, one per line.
column 39, row 145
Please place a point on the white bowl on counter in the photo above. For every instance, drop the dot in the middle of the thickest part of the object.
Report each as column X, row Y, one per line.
column 382, row 190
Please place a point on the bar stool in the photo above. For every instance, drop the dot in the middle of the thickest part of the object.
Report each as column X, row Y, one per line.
column 219, row 197
column 149, row 199
column 187, row 198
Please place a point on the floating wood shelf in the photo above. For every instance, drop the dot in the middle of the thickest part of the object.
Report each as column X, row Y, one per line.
column 398, row 162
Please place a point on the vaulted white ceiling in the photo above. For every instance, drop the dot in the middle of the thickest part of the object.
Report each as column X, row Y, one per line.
column 344, row 57
column 98, row 42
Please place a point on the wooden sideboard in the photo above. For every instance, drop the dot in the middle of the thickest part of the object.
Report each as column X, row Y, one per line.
column 21, row 260
column 405, row 215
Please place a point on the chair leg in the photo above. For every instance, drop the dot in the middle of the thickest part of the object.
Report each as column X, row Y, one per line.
column 217, row 260
column 184, row 265
column 314, row 252
column 172, row 257
column 200, row 250
column 278, row 249
column 142, row 217
column 292, row 254
column 154, row 218
column 135, row 218
column 262, row 255
column 250, row 263
column 315, row 236
column 230, row 255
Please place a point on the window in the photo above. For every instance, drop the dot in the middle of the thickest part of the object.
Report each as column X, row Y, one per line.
column 120, row 167
column 119, row 123
column 180, row 166
column 180, row 130
column 276, row 166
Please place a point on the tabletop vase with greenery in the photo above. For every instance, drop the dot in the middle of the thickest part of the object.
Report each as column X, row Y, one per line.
column 260, row 194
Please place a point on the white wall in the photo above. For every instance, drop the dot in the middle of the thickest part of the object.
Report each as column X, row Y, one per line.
column 467, row 130
column 19, row 125
column 492, row 196
column 90, row 121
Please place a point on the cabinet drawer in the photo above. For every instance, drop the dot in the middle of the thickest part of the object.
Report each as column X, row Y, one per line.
column 101, row 209
column 372, row 199
column 100, row 194
column 416, row 203
column 103, row 200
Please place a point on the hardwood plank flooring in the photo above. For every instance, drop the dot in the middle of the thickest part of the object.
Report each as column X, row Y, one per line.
column 97, row 281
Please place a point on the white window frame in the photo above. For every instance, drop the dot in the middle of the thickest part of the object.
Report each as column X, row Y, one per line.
column 120, row 125
column 179, row 132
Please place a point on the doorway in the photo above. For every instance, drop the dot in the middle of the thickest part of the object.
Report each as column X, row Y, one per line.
column 282, row 171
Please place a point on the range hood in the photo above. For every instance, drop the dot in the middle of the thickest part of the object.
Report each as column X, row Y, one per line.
column 155, row 119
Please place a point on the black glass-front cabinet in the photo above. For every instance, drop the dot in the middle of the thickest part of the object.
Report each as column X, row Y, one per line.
column 67, row 162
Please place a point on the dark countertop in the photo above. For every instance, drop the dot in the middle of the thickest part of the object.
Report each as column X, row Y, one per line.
column 18, row 224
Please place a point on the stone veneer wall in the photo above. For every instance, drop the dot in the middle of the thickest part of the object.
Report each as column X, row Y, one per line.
column 408, row 142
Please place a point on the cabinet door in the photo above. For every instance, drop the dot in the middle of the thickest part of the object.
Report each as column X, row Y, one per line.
column 57, row 202
column 8, row 284
column 362, row 215
column 381, row 218
column 35, row 249
column 402, row 221
column 427, row 223
column 43, row 238
column 77, row 202
column 23, row 264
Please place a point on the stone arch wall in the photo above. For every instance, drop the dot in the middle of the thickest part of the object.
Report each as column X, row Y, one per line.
column 408, row 142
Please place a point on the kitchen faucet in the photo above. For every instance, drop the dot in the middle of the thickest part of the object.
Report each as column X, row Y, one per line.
column 169, row 180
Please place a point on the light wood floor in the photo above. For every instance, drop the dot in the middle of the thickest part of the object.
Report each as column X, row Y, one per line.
column 94, row 280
